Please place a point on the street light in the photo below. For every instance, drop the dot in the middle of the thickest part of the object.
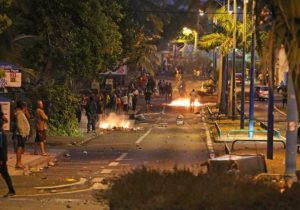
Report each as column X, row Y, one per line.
column 186, row 31
column 242, row 116
column 251, row 104
column 201, row 12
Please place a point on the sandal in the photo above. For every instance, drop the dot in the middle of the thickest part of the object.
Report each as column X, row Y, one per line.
column 45, row 154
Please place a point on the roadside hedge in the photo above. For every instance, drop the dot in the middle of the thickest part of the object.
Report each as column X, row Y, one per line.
column 146, row 189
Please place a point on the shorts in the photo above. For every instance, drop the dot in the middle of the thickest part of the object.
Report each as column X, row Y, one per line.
column 21, row 141
column 41, row 136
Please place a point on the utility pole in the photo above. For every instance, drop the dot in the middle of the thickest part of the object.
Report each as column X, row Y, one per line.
column 233, row 61
column 292, row 130
column 242, row 116
column 251, row 104
column 271, row 104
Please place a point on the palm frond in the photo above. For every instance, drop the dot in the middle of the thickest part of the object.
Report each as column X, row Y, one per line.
column 211, row 41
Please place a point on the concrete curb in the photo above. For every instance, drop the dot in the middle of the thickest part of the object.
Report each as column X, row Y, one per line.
column 87, row 139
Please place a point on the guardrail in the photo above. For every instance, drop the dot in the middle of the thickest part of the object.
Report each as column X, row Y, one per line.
column 276, row 133
column 264, row 126
column 256, row 140
column 218, row 129
column 211, row 114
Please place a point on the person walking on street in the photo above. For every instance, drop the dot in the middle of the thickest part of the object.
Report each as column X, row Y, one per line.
column 284, row 96
column 193, row 97
column 22, row 132
column 125, row 102
column 148, row 94
column 91, row 113
column 41, row 128
column 135, row 99
column 3, row 157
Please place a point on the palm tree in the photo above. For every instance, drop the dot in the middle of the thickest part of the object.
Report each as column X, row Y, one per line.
column 285, row 29
column 222, row 37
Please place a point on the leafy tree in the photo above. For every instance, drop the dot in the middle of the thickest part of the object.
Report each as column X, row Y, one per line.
column 222, row 37
column 78, row 39
column 73, row 42
column 5, row 21
column 284, row 25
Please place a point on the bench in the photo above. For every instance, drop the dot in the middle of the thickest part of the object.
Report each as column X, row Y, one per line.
column 256, row 140
column 215, row 115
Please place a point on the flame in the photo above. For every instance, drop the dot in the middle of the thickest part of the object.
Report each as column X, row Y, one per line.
column 115, row 121
column 184, row 102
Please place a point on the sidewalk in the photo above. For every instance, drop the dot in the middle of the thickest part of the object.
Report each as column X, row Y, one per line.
column 55, row 147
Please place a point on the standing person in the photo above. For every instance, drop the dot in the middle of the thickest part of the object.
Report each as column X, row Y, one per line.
column 125, row 102
column 99, row 109
column 148, row 94
column 193, row 97
column 163, row 87
column 130, row 100
column 91, row 113
column 170, row 91
column 3, row 157
column 119, row 104
column 22, row 132
column 107, row 104
column 284, row 96
column 134, row 99
column 41, row 128
column 160, row 88
column 167, row 91
column 113, row 102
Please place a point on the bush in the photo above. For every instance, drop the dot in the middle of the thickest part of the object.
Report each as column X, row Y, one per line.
column 148, row 189
column 60, row 106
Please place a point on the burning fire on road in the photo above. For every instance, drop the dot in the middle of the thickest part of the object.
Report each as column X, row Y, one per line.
column 114, row 121
column 184, row 102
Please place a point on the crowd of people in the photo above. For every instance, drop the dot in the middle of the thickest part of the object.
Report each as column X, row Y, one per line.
column 101, row 105
column 165, row 90
column 22, row 131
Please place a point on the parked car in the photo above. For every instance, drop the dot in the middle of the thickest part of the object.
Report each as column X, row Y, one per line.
column 261, row 92
column 238, row 78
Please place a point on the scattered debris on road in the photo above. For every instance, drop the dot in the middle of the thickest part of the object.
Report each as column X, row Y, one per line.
column 180, row 120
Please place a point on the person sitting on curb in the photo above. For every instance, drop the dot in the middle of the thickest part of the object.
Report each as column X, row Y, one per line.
column 22, row 132
column 3, row 157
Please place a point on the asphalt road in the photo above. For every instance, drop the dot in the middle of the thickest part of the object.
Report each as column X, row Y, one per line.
column 158, row 143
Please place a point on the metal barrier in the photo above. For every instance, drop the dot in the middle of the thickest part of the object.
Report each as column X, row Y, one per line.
column 264, row 126
column 276, row 133
column 218, row 129
column 256, row 140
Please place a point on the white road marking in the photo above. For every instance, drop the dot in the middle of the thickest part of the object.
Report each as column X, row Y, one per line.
column 121, row 157
column 106, row 171
column 113, row 164
column 143, row 136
